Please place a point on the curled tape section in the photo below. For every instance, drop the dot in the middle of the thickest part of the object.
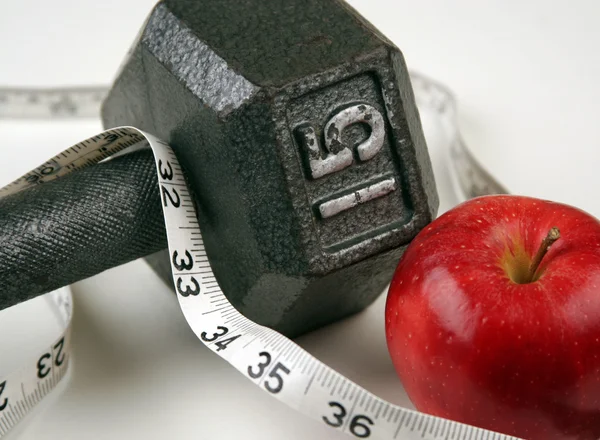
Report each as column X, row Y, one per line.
column 272, row 362
column 469, row 178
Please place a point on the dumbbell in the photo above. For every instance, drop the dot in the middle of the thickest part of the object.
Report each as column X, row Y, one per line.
column 298, row 132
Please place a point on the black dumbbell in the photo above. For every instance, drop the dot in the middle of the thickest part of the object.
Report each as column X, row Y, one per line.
column 297, row 127
column 296, row 124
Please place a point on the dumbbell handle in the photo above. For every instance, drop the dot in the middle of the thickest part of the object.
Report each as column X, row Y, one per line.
column 72, row 228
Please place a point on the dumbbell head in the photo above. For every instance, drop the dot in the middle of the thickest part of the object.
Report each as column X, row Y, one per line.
column 298, row 131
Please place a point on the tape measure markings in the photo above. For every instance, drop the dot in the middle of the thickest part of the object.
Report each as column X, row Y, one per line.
column 22, row 390
column 51, row 102
column 273, row 362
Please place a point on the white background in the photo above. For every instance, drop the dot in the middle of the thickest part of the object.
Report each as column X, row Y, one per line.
column 526, row 75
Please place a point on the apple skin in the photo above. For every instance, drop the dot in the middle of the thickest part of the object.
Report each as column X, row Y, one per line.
column 471, row 345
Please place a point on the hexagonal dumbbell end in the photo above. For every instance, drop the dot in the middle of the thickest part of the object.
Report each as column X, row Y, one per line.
column 296, row 124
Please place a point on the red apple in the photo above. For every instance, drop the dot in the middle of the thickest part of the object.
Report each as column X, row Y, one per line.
column 481, row 333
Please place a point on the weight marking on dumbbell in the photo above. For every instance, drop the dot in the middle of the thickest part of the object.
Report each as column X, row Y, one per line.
column 339, row 155
column 361, row 113
column 349, row 124
column 345, row 202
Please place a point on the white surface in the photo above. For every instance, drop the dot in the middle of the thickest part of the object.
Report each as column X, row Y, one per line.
column 525, row 75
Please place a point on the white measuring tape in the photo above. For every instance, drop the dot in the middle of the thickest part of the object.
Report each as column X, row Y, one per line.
column 25, row 387
column 272, row 361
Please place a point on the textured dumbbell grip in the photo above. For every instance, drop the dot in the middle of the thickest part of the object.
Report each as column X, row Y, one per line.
column 72, row 228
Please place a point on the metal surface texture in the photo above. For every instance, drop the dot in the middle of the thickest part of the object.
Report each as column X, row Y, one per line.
column 296, row 124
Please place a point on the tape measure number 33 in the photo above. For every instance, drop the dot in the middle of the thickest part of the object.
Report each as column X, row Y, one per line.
column 273, row 362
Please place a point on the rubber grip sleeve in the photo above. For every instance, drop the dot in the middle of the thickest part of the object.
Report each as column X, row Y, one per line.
column 79, row 225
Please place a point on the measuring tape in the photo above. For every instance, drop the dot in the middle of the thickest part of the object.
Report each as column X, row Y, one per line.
column 273, row 362
column 24, row 388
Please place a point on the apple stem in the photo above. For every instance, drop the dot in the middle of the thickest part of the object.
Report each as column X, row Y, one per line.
column 553, row 235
